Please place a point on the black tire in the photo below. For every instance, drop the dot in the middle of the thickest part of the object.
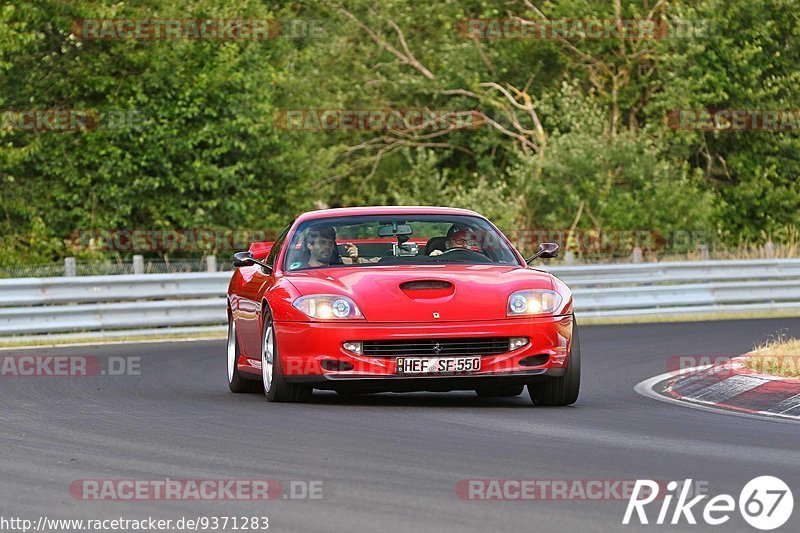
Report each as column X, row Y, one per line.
column 237, row 383
column 561, row 390
column 279, row 390
column 499, row 391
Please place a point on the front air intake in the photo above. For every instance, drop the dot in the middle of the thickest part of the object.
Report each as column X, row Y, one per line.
column 535, row 360
column 437, row 347
column 425, row 285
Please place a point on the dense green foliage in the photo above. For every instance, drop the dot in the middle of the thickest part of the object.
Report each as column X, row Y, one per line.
column 579, row 126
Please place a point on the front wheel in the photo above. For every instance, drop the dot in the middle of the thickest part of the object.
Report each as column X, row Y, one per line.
column 275, row 386
column 561, row 390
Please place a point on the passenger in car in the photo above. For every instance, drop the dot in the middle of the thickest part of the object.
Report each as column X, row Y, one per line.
column 320, row 242
column 319, row 249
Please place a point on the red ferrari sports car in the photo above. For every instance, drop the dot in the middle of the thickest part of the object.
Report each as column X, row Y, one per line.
column 377, row 299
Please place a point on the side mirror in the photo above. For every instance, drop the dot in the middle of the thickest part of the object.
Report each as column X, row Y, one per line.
column 243, row 259
column 547, row 250
column 246, row 259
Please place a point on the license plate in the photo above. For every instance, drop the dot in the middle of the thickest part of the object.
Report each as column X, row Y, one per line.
column 436, row 365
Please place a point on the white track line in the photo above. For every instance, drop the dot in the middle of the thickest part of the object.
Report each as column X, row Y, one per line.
column 790, row 404
column 645, row 388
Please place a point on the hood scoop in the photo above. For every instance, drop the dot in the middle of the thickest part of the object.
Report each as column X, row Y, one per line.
column 425, row 289
column 425, row 285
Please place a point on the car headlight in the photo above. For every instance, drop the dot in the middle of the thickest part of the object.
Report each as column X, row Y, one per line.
column 533, row 302
column 328, row 306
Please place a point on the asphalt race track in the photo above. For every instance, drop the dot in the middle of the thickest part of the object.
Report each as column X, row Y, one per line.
column 387, row 462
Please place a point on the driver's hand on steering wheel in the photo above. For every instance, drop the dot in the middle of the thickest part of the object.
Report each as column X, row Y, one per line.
column 435, row 252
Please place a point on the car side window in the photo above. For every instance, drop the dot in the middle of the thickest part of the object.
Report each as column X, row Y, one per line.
column 276, row 248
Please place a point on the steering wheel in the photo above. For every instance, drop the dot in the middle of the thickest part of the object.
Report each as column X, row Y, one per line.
column 454, row 253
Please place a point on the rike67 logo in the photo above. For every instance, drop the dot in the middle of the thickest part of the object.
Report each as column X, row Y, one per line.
column 765, row 503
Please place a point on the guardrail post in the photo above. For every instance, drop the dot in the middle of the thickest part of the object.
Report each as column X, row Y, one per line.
column 138, row 264
column 704, row 255
column 636, row 256
column 70, row 268
column 569, row 257
column 211, row 263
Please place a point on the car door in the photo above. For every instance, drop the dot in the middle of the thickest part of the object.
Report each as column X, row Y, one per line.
column 258, row 282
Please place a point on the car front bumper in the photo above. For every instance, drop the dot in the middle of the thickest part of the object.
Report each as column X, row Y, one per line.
column 303, row 347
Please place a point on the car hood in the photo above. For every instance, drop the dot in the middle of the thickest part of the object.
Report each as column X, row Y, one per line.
column 423, row 293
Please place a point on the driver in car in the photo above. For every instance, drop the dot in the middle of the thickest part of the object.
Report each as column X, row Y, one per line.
column 465, row 239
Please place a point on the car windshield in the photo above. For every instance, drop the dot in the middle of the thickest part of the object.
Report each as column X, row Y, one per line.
column 388, row 239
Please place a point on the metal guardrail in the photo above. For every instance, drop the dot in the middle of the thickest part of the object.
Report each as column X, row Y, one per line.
column 43, row 291
column 105, row 303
